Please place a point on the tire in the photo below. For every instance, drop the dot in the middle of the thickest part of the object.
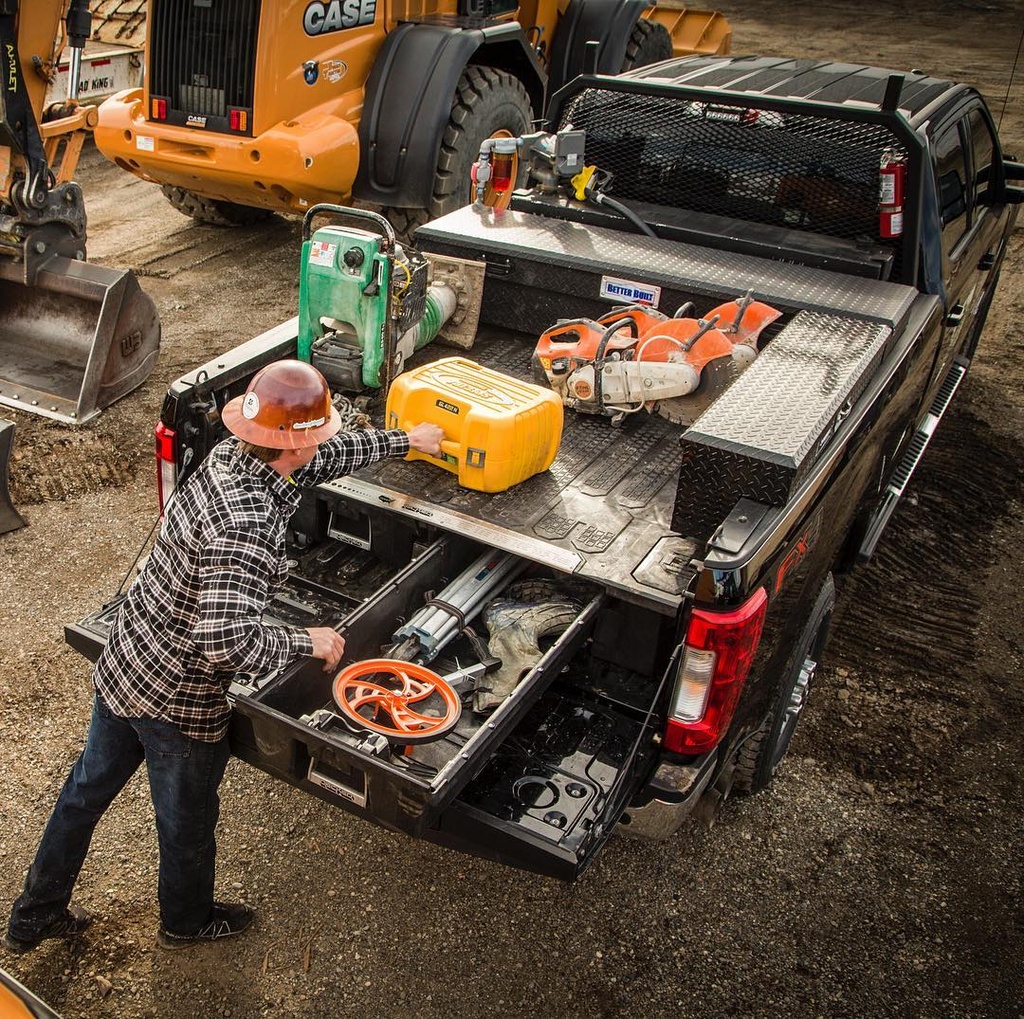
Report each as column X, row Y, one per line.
column 486, row 100
column 648, row 43
column 759, row 757
column 211, row 211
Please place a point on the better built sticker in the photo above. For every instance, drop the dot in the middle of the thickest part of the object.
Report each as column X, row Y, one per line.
column 625, row 291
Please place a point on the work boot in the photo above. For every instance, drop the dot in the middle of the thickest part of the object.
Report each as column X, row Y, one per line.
column 226, row 920
column 73, row 922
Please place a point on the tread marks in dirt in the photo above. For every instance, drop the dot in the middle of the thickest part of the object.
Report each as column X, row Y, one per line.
column 907, row 626
column 54, row 463
column 915, row 603
column 240, row 251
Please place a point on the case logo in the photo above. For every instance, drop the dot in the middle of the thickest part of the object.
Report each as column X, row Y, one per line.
column 320, row 18
column 195, row 120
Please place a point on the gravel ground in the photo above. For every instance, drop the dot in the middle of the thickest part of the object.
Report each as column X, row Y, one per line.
column 879, row 876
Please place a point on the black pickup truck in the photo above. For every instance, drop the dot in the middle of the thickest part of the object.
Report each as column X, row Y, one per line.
column 692, row 562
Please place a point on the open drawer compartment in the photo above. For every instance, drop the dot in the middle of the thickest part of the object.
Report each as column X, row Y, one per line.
column 292, row 728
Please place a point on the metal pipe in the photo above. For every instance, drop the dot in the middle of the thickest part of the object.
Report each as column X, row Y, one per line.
column 429, row 618
column 434, row 627
column 74, row 72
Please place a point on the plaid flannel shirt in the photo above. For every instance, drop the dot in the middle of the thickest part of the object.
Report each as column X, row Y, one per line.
column 192, row 618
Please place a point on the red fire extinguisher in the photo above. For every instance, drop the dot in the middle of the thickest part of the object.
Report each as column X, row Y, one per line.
column 891, row 176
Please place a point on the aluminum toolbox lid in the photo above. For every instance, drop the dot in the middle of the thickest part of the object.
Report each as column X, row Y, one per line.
column 596, row 251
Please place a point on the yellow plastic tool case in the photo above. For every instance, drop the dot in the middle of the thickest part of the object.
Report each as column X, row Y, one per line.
column 498, row 430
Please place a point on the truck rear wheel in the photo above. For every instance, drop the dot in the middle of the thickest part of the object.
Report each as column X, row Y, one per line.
column 759, row 757
column 648, row 43
column 486, row 100
column 211, row 211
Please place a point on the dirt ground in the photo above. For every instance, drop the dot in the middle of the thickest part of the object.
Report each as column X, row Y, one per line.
column 880, row 876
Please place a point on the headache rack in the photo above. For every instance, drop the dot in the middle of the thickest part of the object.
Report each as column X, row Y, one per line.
column 804, row 166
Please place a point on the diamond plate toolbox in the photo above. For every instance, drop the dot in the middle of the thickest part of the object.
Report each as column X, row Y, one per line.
column 541, row 269
column 760, row 439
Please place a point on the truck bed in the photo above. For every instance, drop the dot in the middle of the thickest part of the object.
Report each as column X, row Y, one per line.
column 602, row 512
column 613, row 508
column 540, row 781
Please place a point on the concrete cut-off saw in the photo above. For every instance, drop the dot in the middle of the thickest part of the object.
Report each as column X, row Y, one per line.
column 637, row 358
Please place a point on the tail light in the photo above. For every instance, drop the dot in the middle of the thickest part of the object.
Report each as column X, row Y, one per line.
column 166, row 464
column 238, row 120
column 157, row 108
column 716, row 659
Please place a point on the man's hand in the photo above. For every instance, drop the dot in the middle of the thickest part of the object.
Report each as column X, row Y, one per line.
column 426, row 438
column 328, row 645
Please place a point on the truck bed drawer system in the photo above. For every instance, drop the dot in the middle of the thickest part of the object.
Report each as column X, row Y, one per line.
column 542, row 777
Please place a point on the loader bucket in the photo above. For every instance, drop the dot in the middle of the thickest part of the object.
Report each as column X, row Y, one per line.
column 79, row 338
column 10, row 518
column 693, row 31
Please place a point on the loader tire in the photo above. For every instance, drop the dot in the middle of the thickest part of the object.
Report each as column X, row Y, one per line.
column 211, row 211
column 759, row 757
column 486, row 100
column 648, row 43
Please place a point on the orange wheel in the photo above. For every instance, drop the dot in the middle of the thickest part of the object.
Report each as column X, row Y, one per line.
column 379, row 695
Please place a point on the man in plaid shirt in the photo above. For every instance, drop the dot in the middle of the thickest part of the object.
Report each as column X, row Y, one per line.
column 191, row 620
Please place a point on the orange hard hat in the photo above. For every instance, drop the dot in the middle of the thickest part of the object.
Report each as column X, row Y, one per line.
column 287, row 406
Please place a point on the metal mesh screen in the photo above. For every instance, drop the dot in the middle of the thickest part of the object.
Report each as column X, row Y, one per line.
column 792, row 170
column 203, row 53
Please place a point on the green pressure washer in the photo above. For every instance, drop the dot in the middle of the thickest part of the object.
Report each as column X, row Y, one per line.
column 365, row 304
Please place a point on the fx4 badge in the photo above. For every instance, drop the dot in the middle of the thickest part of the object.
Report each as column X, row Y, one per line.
column 798, row 552
column 320, row 18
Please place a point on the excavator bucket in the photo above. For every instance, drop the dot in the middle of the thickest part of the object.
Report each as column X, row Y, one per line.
column 10, row 518
column 77, row 339
column 692, row 30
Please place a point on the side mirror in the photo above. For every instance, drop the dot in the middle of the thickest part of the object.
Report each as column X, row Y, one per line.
column 1013, row 170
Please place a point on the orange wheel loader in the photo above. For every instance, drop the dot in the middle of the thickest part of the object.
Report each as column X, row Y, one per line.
column 253, row 106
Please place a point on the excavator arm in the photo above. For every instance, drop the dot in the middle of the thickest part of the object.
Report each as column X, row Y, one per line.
column 74, row 336
column 43, row 211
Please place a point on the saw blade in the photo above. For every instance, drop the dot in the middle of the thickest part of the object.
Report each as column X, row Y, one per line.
column 716, row 377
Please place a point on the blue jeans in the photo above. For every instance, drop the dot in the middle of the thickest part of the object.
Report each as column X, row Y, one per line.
column 183, row 778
